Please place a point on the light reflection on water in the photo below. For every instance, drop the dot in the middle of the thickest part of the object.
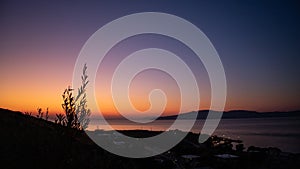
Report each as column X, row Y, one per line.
column 283, row 133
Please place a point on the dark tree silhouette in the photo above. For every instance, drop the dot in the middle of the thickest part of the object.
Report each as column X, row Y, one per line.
column 82, row 111
column 69, row 107
column 76, row 111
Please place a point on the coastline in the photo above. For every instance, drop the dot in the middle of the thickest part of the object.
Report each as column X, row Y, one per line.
column 31, row 142
column 280, row 132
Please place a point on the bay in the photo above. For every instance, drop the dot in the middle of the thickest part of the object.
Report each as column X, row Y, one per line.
column 283, row 132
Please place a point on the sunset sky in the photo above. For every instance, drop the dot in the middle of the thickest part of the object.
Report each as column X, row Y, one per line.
column 258, row 44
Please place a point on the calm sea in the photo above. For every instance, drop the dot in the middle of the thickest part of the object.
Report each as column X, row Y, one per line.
column 283, row 133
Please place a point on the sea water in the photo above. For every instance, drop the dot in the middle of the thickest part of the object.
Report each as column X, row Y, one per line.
column 283, row 132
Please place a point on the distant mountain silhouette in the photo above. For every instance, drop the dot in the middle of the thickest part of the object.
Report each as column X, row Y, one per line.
column 233, row 114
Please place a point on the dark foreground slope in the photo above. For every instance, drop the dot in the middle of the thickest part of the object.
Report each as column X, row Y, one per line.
column 28, row 142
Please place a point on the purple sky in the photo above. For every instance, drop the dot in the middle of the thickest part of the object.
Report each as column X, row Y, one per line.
column 258, row 43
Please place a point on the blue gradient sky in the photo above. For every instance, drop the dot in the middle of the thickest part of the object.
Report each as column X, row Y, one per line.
column 257, row 41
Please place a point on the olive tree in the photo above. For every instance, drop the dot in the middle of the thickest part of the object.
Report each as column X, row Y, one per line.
column 75, row 107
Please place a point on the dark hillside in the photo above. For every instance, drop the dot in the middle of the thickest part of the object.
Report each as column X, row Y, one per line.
column 28, row 142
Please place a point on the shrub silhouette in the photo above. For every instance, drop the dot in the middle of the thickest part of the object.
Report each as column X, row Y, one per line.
column 76, row 111
column 69, row 107
column 40, row 113
column 47, row 114
column 82, row 112
column 60, row 119
column 27, row 113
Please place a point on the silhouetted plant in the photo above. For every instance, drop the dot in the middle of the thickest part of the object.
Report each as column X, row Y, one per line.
column 76, row 111
column 60, row 119
column 40, row 113
column 69, row 107
column 47, row 114
column 239, row 147
column 27, row 113
column 82, row 111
